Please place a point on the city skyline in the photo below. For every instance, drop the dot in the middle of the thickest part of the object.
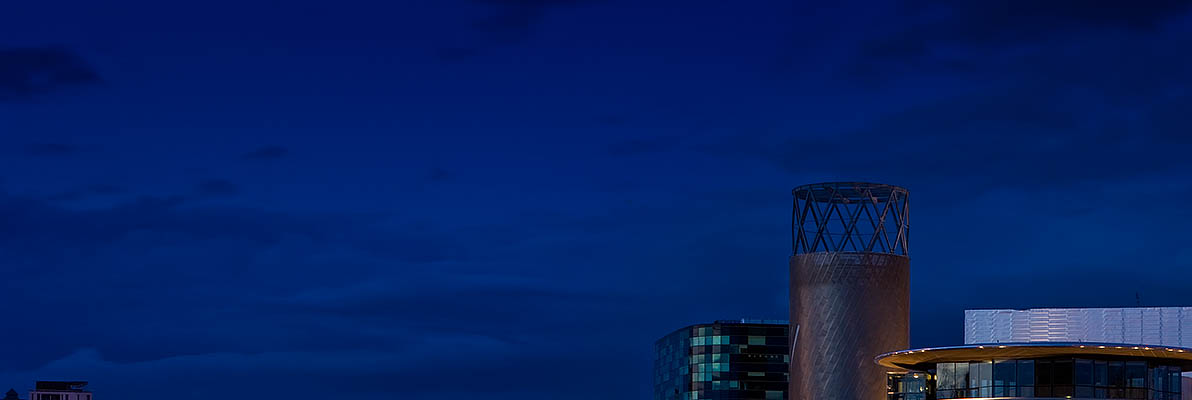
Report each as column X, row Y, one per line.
column 367, row 198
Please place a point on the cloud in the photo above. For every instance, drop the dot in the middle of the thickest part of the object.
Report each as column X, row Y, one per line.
column 611, row 120
column 1020, row 139
column 515, row 20
column 321, row 374
column 29, row 72
column 457, row 54
column 510, row 23
column 440, row 175
column 267, row 153
column 169, row 292
column 87, row 192
column 1051, row 112
column 936, row 35
column 206, row 270
column 52, row 149
column 501, row 23
column 990, row 21
column 105, row 189
column 635, row 147
column 436, row 301
column 217, row 187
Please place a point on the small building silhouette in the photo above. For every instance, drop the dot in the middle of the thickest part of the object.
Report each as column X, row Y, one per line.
column 60, row 390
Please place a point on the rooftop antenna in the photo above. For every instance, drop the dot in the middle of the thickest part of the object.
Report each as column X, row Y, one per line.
column 1137, row 300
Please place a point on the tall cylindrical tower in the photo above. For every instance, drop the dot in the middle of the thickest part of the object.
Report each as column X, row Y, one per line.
column 850, row 288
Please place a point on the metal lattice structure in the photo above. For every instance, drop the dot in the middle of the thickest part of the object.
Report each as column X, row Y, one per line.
column 850, row 288
column 851, row 217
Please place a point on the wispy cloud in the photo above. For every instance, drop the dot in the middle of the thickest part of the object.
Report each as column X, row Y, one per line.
column 505, row 22
column 52, row 149
column 933, row 31
column 26, row 73
column 217, row 187
column 267, row 153
column 514, row 20
column 634, row 147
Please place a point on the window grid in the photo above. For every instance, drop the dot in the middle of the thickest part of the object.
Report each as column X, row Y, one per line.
column 1072, row 378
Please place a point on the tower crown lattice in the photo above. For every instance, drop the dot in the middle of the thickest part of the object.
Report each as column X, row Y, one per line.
column 856, row 217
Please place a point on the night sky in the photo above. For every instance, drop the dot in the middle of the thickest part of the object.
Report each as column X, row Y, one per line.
column 512, row 199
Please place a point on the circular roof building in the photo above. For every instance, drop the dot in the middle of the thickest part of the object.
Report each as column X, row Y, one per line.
column 1038, row 371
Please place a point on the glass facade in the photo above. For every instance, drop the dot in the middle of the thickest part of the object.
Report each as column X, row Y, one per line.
column 1071, row 378
column 724, row 360
column 907, row 386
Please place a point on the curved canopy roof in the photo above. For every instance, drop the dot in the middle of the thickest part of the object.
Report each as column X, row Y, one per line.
column 924, row 359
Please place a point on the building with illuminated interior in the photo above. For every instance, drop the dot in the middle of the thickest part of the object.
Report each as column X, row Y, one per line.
column 736, row 359
column 1038, row 371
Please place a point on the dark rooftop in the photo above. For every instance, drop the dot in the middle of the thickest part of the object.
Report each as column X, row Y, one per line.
column 65, row 386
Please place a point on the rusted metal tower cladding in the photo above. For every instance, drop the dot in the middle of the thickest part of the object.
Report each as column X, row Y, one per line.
column 850, row 288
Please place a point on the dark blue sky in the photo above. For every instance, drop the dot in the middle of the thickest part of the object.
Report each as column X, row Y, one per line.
column 513, row 199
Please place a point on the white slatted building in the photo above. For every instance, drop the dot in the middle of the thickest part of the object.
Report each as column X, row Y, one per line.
column 1157, row 326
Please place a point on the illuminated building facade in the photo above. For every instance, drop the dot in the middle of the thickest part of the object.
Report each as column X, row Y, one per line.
column 737, row 359
column 1039, row 371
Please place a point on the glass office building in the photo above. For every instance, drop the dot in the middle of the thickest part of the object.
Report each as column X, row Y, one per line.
column 1039, row 371
column 738, row 359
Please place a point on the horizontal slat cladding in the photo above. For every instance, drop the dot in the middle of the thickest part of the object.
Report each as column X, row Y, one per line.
column 1154, row 326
